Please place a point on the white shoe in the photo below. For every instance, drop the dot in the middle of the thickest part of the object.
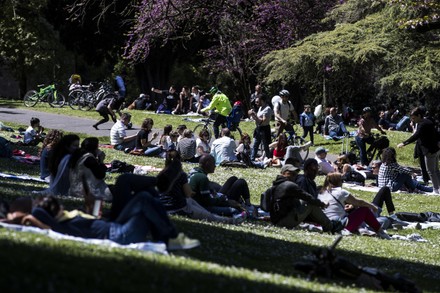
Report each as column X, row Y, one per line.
column 182, row 242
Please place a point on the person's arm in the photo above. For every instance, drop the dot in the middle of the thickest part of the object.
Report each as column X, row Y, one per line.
column 277, row 113
column 211, row 105
column 273, row 145
column 357, row 202
column 157, row 91
column 412, row 138
column 187, row 190
column 295, row 190
column 30, row 220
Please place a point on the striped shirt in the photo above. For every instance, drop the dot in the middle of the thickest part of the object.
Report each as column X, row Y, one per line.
column 388, row 174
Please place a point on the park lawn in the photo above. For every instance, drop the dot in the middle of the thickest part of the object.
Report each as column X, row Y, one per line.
column 252, row 257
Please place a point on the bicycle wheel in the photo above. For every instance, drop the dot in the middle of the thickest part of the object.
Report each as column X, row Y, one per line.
column 31, row 98
column 74, row 99
column 86, row 101
column 201, row 127
column 56, row 99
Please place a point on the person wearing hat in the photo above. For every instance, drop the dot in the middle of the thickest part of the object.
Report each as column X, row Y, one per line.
column 220, row 102
column 325, row 166
column 291, row 205
column 283, row 111
column 366, row 123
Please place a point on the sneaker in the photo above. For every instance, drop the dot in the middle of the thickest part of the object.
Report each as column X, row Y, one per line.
column 95, row 126
column 239, row 218
column 182, row 242
column 345, row 232
column 383, row 235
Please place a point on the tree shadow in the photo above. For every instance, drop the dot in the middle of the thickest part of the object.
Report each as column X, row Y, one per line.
column 266, row 254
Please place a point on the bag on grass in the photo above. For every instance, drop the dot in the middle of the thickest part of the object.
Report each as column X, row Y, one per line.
column 121, row 167
column 354, row 177
column 266, row 199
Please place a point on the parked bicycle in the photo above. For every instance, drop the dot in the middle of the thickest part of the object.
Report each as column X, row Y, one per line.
column 45, row 93
column 87, row 97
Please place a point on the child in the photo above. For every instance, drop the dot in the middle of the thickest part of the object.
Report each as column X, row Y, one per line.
column 307, row 121
column 34, row 133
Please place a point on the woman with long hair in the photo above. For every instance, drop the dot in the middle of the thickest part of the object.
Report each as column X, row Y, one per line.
column 336, row 199
column 46, row 151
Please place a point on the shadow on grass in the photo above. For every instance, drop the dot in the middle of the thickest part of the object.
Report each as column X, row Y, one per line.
column 266, row 254
column 37, row 268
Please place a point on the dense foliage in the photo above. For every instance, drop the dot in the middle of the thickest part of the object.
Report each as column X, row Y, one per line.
column 366, row 59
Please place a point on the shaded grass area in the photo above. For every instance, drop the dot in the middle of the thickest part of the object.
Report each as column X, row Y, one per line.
column 254, row 257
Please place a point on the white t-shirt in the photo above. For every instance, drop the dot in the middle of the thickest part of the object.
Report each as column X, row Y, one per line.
column 275, row 100
column 117, row 133
column 284, row 109
column 324, row 165
column 29, row 135
column 335, row 209
column 204, row 145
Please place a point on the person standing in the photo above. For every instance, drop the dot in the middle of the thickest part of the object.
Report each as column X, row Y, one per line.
column 283, row 111
column 262, row 131
column 307, row 121
column 258, row 92
column 364, row 134
column 220, row 102
column 428, row 137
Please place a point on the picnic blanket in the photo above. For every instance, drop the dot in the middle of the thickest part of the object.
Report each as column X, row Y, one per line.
column 359, row 187
column 159, row 248
column 22, row 177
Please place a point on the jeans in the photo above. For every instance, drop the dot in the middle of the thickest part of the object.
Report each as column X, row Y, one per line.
column 142, row 215
column 403, row 124
column 261, row 135
column 308, row 130
column 196, row 211
column 222, row 211
column 431, row 162
column 338, row 131
column 362, row 145
column 404, row 179
column 126, row 187
column 384, row 196
column 153, row 151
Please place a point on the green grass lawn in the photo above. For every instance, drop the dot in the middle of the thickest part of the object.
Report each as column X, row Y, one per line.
column 253, row 257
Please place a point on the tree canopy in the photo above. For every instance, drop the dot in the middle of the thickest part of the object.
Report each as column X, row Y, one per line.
column 367, row 58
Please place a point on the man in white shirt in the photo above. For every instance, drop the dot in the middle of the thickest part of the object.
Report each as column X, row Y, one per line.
column 283, row 110
column 118, row 136
column 223, row 148
column 325, row 166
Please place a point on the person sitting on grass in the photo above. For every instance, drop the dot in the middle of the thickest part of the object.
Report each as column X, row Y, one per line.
column 142, row 141
column 396, row 177
column 51, row 139
column 142, row 216
column 325, row 166
column 34, row 133
column 59, row 165
column 291, row 205
column 187, row 147
column 223, row 148
column 202, row 144
column 118, row 136
column 334, row 125
column 336, row 198
column 232, row 198
column 87, row 173
column 177, row 196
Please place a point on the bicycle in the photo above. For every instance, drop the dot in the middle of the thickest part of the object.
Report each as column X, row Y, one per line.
column 86, row 97
column 45, row 93
column 374, row 151
column 207, row 124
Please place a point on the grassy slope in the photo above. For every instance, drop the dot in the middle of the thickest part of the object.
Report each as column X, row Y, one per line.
column 252, row 257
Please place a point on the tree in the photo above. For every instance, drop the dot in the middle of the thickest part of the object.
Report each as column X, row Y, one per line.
column 372, row 60
column 26, row 39
column 421, row 15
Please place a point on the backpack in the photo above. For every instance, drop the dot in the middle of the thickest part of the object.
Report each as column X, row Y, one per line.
column 120, row 167
column 233, row 120
column 354, row 177
column 266, row 199
column 5, row 148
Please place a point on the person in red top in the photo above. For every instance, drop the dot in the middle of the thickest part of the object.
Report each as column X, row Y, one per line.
column 279, row 150
column 366, row 123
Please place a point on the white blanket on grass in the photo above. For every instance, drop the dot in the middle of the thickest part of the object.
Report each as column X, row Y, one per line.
column 362, row 188
column 22, row 177
column 142, row 246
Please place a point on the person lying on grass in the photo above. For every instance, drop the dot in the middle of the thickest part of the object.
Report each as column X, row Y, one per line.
column 142, row 216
